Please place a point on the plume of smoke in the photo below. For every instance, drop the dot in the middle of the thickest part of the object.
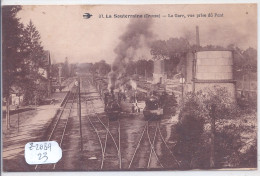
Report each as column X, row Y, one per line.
column 112, row 80
column 137, row 36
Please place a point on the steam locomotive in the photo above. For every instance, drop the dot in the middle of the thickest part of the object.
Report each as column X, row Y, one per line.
column 153, row 109
column 112, row 105
column 157, row 104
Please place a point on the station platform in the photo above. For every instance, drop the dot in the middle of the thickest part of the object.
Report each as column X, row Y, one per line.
column 33, row 123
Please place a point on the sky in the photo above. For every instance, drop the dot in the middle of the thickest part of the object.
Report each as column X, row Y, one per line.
column 65, row 33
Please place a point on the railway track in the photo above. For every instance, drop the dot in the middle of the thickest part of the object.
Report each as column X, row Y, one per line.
column 103, row 131
column 152, row 141
column 168, row 148
column 59, row 128
column 151, row 132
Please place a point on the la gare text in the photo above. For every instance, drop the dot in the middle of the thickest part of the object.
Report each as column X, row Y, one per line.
column 173, row 15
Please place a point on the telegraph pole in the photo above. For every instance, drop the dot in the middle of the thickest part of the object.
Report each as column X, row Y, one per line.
column 212, row 140
column 79, row 114
column 18, row 120
column 182, row 81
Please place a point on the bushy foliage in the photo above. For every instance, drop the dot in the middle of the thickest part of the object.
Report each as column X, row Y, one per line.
column 217, row 97
column 195, row 128
column 249, row 158
column 12, row 58
column 189, row 130
column 227, row 145
column 36, row 94
column 247, row 105
column 23, row 55
column 169, row 104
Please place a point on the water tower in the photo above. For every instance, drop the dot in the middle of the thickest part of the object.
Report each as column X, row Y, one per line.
column 206, row 69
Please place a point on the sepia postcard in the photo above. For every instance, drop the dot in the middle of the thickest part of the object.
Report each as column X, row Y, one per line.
column 165, row 87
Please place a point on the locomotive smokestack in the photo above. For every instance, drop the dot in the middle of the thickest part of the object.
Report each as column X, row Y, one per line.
column 197, row 37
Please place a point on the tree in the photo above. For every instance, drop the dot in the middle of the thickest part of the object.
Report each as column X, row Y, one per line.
column 177, row 47
column 212, row 48
column 12, row 55
column 172, row 48
column 104, row 68
column 150, row 68
column 250, row 59
column 218, row 105
column 54, row 71
column 173, row 51
column 238, row 61
column 101, row 67
column 189, row 130
column 209, row 106
column 34, row 63
column 159, row 50
column 22, row 55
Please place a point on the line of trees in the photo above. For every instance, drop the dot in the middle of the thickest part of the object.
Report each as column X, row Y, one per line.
column 141, row 67
column 23, row 57
column 101, row 67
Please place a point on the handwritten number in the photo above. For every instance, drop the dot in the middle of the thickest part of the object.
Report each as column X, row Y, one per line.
column 43, row 156
column 44, row 146
column 31, row 146
column 41, row 149
column 49, row 146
